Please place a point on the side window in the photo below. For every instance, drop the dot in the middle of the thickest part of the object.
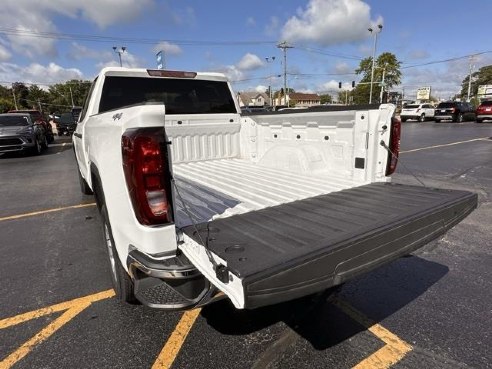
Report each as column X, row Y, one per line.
column 86, row 103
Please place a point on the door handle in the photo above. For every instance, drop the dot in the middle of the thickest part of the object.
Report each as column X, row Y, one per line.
column 78, row 135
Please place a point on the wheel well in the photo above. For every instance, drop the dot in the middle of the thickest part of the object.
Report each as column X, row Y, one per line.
column 97, row 187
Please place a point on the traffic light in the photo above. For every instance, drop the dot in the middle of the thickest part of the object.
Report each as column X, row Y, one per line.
column 339, row 84
column 353, row 84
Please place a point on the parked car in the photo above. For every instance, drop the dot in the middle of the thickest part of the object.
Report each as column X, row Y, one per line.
column 38, row 118
column 65, row 124
column 484, row 111
column 18, row 132
column 420, row 112
column 76, row 112
column 455, row 111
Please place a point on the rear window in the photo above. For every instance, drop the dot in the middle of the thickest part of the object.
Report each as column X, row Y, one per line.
column 412, row 106
column 13, row 121
column 486, row 103
column 447, row 105
column 180, row 96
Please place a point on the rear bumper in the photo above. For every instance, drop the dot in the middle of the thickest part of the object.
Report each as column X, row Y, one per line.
column 484, row 116
column 445, row 117
column 169, row 284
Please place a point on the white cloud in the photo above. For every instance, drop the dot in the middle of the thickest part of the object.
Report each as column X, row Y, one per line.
column 250, row 62
column 329, row 22
column 37, row 73
column 261, row 88
column 168, row 48
column 32, row 18
column 250, row 22
column 272, row 28
column 78, row 52
column 231, row 72
column 4, row 52
column 343, row 67
column 330, row 85
column 128, row 60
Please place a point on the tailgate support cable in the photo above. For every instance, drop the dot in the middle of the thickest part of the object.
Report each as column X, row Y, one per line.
column 221, row 271
column 382, row 143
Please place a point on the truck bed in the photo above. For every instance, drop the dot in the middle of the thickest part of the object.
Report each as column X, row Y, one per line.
column 225, row 187
column 300, row 247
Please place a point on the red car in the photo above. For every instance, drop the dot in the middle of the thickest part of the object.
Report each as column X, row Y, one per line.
column 37, row 117
column 484, row 111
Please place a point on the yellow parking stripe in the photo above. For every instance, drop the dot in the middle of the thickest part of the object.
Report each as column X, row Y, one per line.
column 34, row 213
column 394, row 350
column 72, row 309
column 173, row 345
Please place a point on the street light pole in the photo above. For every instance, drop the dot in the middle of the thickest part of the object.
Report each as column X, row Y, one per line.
column 469, row 78
column 119, row 51
column 380, row 27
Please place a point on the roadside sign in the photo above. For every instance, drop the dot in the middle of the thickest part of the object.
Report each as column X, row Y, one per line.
column 423, row 93
column 160, row 60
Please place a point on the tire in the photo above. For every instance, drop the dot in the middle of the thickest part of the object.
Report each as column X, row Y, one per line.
column 403, row 120
column 436, row 120
column 459, row 118
column 84, row 187
column 122, row 283
column 45, row 143
column 36, row 150
column 422, row 118
column 479, row 120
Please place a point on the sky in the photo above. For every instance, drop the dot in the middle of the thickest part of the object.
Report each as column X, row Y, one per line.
column 52, row 41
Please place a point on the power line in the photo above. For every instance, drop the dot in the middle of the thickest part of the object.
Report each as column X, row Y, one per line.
column 446, row 60
column 114, row 39
column 323, row 52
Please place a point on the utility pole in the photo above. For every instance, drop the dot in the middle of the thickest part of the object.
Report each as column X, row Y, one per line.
column 270, row 60
column 469, row 78
column 15, row 99
column 71, row 95
column 380, row 27
column 284, row 46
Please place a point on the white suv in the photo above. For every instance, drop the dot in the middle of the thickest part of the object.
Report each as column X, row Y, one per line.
column 421, row 112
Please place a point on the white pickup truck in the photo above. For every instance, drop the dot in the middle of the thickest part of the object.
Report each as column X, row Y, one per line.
column 199, row 202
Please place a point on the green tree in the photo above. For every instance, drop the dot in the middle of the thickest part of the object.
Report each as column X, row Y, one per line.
column 37, row 98
column 482, row 77
column 326, row 99
column 21, row 94
column 386, row 63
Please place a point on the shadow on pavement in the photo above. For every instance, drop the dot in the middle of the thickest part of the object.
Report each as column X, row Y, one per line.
column 321, row 323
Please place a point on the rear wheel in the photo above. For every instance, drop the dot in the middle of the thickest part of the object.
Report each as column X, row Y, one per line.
column 422, row 118
column 403, row 119
column 459, row 118
column 479, row 120
column 122, row 283
column 436, row 120
column 36, row 150
column 45, row 143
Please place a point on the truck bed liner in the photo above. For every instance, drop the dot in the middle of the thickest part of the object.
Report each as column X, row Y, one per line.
column 290, row 250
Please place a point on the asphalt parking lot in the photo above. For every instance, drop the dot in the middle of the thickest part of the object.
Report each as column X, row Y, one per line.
column 432, row 309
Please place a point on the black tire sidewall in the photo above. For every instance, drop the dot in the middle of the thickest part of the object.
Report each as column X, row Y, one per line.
column 122, row 284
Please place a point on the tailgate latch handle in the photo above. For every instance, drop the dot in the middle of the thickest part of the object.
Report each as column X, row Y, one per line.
column 222, row 273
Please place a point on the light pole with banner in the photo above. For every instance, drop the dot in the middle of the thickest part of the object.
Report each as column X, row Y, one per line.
column 160, row 60
column 380, row 28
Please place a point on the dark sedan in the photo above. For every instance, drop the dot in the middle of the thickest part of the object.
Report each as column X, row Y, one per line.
column 66, row 124
column 19, row 133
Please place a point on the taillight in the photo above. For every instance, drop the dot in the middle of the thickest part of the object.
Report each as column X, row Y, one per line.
column 394, row 146
column 453, row 110
column 147, row 174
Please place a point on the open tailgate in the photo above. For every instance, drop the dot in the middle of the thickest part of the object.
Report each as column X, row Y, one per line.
column 295, row 249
